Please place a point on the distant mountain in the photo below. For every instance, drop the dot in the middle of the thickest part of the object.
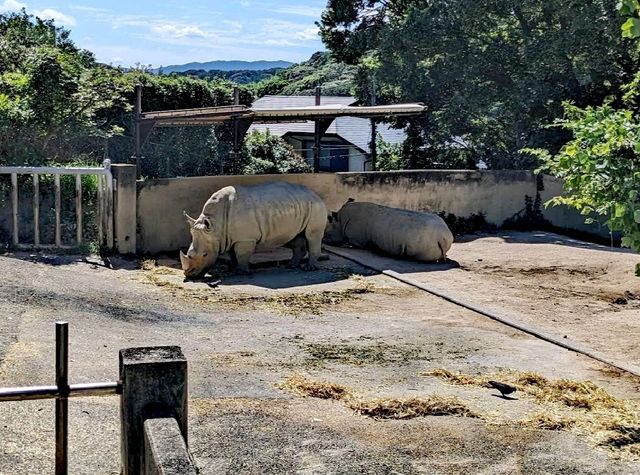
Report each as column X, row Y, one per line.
column 223, row 66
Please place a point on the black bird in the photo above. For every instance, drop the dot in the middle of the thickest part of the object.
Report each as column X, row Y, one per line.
column 502, row 387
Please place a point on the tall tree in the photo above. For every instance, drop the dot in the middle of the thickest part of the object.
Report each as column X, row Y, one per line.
column 492, row 73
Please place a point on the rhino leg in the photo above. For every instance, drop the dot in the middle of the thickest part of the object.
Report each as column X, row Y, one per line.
column 299, row 247
column 243, row 252
column 314, row 243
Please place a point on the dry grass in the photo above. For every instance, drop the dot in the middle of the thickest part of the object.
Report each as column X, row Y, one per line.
column 459, row 379
column 317, row 389
column 386, row 408
column 579, row 406
column 378, row 353
column 433, row 405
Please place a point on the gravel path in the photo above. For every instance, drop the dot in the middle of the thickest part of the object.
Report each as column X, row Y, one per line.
column 243, row 337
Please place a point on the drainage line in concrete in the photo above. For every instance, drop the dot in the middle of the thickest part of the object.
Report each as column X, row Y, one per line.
column 531, row 330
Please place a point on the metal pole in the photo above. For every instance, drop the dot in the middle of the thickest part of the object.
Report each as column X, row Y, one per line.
column 316, row 135
column 62, row 403
column 236, row 132
column 137, row 112
column 374, row 132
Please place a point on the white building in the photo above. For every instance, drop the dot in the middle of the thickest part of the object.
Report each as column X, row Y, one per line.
column 346, row 144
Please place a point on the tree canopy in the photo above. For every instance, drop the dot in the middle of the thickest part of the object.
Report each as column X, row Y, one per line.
column 492, row 73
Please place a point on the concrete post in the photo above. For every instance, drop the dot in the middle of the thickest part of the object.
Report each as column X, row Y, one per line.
column 125, row 208
column 154, row 385
column 166, row 452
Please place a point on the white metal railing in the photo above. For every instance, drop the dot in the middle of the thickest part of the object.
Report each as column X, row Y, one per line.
column 104, row 202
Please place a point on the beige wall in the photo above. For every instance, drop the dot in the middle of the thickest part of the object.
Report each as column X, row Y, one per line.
column 497, row 194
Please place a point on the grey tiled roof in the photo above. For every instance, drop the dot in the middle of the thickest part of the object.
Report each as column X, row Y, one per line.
column 354, row 130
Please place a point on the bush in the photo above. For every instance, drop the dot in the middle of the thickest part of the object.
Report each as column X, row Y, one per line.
column 264, row 153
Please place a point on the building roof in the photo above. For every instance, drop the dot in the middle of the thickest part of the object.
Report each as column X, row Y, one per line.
column 355, row 130
column 280, row 102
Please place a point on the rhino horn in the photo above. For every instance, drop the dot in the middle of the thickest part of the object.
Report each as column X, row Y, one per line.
column 184, row 260
column 189, row 219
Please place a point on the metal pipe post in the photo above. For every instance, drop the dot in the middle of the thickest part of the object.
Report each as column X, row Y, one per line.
column 316, row 135
column 62, row 401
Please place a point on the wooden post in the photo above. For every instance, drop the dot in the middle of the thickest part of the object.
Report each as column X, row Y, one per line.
column 36, row 209
column 58, row 205
column 14, row 206
column 154, row 385
column 316, row 135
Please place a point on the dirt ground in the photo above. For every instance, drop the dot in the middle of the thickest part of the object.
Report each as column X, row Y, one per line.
column 244, row 336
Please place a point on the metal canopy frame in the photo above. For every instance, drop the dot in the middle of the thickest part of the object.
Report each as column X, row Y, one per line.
column 243, row 117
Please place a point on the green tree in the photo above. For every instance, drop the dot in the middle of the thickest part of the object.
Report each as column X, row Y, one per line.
column 322, row 69
column 390, row 156
column 264, row 153
column 600, row 165
column 54, row 98
column 492, row 73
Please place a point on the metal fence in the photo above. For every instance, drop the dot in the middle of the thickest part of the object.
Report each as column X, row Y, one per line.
column 104, row 203
column 61, row 392
column 152, row 386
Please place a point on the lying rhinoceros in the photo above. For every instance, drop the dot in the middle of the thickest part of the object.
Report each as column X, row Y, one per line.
column 399, row 232
column 239, row 219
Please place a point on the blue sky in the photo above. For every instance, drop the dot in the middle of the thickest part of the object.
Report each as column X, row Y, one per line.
column 164, row 32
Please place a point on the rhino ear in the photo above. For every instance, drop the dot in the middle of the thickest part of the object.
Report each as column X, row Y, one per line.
column 189, row 219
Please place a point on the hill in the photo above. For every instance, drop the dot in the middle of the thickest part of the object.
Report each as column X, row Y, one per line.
column 336, row 79
column 223, row 66
column 245, row 76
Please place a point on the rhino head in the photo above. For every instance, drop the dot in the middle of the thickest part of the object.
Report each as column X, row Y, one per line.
column 333, row 234
column 204, row 249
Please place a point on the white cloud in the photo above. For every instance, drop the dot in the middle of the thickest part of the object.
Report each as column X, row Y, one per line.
column 58, row 17
column 11, row 6
column 46, row 14
column 235, row 26
column 170, row 30
column 300, row 11
column 245, row 3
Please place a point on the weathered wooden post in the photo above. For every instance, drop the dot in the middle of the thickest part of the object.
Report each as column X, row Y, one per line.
column 154, row 386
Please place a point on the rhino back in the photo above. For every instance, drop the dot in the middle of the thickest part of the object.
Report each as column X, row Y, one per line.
column 272, row 214
column 423, row 236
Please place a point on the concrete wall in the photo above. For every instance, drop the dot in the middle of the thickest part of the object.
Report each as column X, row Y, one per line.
column 497, row 194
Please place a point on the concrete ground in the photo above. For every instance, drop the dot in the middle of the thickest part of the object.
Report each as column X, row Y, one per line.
column 343, row 324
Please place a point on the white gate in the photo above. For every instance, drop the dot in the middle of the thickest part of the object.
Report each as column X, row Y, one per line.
column 104, row 203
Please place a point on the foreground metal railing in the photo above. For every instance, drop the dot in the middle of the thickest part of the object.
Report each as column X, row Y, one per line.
column 61, row 392
column 104, row 199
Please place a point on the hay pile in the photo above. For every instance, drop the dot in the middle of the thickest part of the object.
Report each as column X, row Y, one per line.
column 386, row 408
column 432, row 405
column 302, row 386
column 582, row 407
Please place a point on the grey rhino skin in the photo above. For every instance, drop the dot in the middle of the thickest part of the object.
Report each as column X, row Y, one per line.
column 243, row 219
column 399, row 232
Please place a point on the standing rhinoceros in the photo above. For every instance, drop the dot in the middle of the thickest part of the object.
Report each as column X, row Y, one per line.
column 399, row 232
column 239, row 219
